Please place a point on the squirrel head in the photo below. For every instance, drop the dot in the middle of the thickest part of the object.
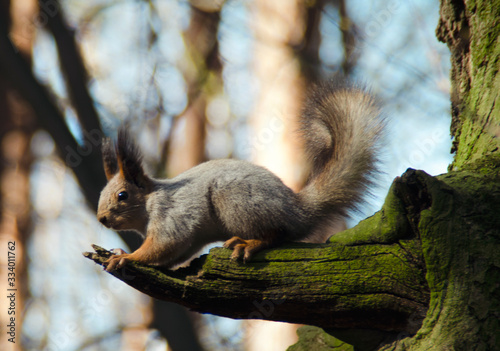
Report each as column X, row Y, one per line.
column 122, row 203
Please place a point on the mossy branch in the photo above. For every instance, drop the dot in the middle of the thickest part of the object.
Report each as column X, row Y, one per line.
column 331, row 286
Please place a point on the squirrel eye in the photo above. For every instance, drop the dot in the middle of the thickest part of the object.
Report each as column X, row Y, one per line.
column 123, row 195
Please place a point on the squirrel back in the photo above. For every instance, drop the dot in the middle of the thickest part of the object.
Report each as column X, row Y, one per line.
column 242, row 203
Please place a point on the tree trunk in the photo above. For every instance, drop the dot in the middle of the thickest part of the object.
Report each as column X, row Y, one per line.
column 17, row 125
column 471, row 31
column 279, row 28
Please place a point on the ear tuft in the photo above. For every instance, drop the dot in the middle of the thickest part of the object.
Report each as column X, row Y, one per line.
column 109, row 158
column 130, row 159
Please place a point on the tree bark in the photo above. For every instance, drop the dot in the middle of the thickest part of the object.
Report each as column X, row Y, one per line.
column 471, row 31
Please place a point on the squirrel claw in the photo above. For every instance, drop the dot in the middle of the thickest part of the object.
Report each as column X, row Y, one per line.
column 233, row 242
column 237, row 244
column 245, row 247
column 116, row 262
column 237, row 250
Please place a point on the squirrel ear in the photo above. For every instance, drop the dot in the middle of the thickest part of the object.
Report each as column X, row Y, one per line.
column 130, row 159
column 109, row 158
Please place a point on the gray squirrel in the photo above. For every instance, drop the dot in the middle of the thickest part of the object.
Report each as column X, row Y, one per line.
column 241, row 203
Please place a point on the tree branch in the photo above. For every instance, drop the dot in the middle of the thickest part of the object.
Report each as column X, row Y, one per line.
column 72, row 67
column 87, row 166
column 328, row 285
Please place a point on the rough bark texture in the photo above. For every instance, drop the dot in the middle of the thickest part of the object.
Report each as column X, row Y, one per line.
column 460, row 244
column 471, row 30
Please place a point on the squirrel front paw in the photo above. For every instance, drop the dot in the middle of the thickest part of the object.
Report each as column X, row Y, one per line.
column 117, row 261
column 246, row 247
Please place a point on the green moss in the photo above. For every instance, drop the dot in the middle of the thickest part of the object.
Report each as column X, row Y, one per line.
column 487, row 165
column 386, row 226
column 479, row 125
column 314, row 338
column 460, row 245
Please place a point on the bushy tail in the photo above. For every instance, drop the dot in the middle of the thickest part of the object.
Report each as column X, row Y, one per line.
column 342, row 127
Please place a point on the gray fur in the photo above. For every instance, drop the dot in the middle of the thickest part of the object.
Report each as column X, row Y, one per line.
column 220, row 199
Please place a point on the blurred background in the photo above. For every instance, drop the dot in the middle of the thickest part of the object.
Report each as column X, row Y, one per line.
column 196, row 80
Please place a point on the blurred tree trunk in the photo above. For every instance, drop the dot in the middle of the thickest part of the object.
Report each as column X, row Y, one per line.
column 279, row 29
column 202, row 74
column 347, row 28
column 286, row 60
column 17, row 126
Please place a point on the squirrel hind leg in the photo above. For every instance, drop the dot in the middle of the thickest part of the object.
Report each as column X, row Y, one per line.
column 247, row 248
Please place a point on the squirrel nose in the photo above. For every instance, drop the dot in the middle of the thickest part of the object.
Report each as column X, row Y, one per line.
column 103, row 220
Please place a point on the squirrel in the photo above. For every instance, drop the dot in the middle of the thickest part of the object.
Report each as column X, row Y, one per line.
column 241, row 203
